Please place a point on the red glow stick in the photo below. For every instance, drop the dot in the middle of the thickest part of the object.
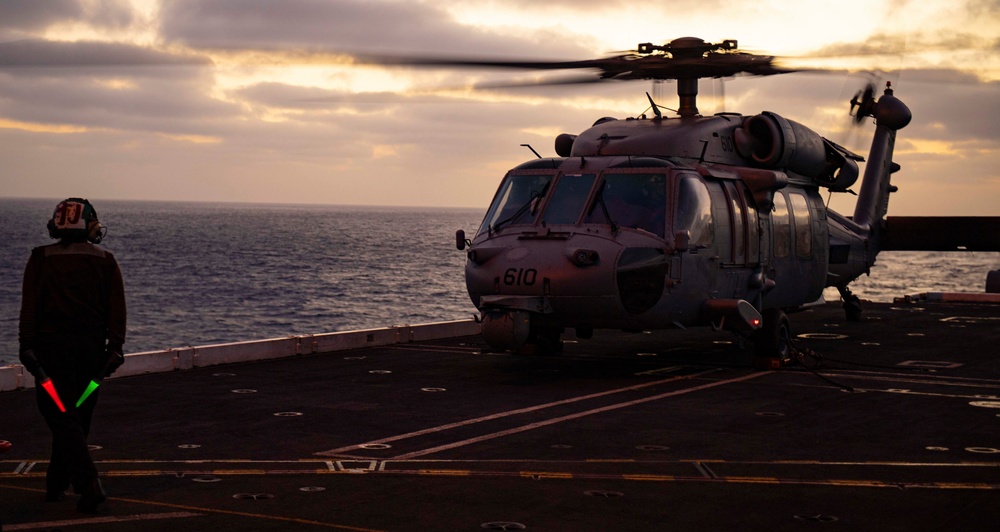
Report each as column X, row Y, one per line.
column 51, row 389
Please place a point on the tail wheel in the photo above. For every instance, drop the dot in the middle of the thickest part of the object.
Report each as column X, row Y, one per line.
column 852, row 308
column 773, row 340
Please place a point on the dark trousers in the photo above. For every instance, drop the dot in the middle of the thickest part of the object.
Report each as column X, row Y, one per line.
column 70, row 463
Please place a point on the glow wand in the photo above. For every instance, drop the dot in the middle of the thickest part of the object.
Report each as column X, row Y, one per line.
column 46, row 383
column 94, row 383
column 90, row 389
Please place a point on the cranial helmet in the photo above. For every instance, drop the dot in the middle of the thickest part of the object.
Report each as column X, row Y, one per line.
column 76, row 219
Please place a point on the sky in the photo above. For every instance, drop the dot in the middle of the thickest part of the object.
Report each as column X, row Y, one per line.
column 260, row 101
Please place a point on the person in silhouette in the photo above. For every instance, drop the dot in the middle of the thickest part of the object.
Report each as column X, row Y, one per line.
column 71, row 330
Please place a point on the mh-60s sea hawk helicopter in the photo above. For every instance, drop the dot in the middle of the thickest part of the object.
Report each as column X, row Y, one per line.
column 652, row 223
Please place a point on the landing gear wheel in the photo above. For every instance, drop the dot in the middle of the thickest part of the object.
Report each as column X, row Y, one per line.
column 544, row 340
column 772, row 343
column 852, row 308
column 852, row 304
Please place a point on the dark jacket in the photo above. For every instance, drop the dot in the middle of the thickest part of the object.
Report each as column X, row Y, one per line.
column 73, row 299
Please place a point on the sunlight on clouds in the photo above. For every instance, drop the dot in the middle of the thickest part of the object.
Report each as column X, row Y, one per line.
column 909, row 34
column 271, row 93
column 326, row 71
column 546, row 132
column 194, row 139
column 116, row 83
column 621, row 26
column 383, row 150
column 142, row 31
column 41, row 128
column 931, row 147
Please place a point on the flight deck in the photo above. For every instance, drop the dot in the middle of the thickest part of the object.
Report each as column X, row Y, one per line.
column 889, row 423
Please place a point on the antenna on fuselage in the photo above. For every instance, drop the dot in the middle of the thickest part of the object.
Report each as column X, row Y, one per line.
column 656, row 110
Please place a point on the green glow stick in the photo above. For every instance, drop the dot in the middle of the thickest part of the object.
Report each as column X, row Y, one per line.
column 95, row 382
column 86, row 393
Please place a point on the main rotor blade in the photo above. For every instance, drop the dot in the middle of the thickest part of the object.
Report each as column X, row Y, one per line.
column 554, row 82
column 434, row 61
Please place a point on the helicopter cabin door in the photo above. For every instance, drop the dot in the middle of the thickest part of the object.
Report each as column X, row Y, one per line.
column 798, row 261
column 742, row 254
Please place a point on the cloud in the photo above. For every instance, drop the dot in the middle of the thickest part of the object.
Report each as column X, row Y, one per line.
column 230, row 100
column 343, row 25
column 108, row 86
column 38, row 53
column 22, row 18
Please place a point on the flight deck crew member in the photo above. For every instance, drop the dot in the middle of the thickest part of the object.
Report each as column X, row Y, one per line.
column 71, row 330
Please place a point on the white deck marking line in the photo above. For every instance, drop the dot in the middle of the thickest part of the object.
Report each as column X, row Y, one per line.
column 499, row 415
column 912, row 380
column 585, row 413
column 99, row 520
column 437, row 348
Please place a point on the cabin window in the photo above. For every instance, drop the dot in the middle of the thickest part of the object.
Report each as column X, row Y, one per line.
column 694, row 212
column 739, row 229
column 781, row 227
column 633, row 200
column 568, row 199
column 803, row 227
column 753, row 232
column 517, row 201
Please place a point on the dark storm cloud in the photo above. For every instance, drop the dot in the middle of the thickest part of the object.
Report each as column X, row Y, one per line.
column 20, row 18
column 341, row 25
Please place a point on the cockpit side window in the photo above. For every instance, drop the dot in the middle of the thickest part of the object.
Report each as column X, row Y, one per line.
column 633, row 200
column 517, row 201
column 694, row 212
column 567, row 201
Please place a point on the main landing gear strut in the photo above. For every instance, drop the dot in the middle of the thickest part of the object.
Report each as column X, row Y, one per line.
column 852, row 304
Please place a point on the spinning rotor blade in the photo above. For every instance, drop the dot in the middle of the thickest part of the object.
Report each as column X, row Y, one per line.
column 685, row 58
column 552, row 82
column 864, row 101
column 617, row 67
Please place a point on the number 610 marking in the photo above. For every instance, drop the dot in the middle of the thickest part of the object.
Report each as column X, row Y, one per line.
column 520, row 276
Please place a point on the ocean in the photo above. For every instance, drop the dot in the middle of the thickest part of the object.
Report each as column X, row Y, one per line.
column 206, row 273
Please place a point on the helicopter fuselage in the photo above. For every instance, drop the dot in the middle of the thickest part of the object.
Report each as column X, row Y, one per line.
column 659, row 223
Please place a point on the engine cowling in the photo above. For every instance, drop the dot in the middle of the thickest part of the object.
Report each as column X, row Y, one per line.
column 774, row 142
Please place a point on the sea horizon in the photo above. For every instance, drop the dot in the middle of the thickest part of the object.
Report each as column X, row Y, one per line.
column 201, row 273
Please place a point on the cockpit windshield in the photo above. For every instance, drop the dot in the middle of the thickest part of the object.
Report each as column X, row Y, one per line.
column 568, row 199
column 633, row 200
column 517, row 201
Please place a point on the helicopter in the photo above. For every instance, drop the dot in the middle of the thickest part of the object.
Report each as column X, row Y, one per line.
column 660, row 222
